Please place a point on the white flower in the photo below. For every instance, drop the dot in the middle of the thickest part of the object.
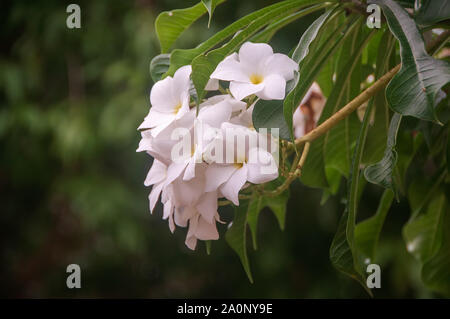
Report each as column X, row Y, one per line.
column 170, row 101
column 156, row 177
column 252, row 164
column 256, row 70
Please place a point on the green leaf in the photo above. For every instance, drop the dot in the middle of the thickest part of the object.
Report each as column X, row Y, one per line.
column 421, row 191
column 302, row 48
column 431, row 11
column 413, row 89
column 236, row 236
column 269, row 114
column 368, row 231
column 308, row 70
column 339, row 140
column 210, row 5
column 378, row 130
column 347, row 243
column 341, row 255
column 182, row 57
column 208, row 247
column 204, row 65
column 170, row 24
column 436, row 271
column 159, row 65
column 313, row 173
column 268, row 32
column 381, row 172
column 277, row 205
column 423, row 234
column 254, row 209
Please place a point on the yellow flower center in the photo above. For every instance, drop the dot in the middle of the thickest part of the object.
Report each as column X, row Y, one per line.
column 177, row 108
column 256, row 78
column 238, row 165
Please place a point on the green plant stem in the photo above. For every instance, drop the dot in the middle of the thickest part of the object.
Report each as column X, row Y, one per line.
column 349, row 108
column 295, row 172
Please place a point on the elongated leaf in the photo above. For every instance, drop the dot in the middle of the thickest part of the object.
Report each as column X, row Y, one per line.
column 436, row 271
column 277, row 205
column 236, row 236
column 423, row 234
column 368, row 231
column 170, row 24
column 269, row 114
column 313, row 173
column 210, row 6
column 268, row 32
column 378, row 130
column 339, row 140
column 431, row 11
column 381, row 172
column 413, row 89
column 309, row 70
column 182, row 57
column 302, row 48
column 341, row 255
column 204, row 65
column 421, row 191
column 159, row 65
column 254, row 209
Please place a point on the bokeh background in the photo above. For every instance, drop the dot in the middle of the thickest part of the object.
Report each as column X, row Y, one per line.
column 71, row 183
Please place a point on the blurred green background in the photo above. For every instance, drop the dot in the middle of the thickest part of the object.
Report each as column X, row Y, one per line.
column 71, row 183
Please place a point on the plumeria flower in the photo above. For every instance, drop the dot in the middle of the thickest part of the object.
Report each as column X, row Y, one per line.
column 170, row 101
column 156, row 177
column 253, row 164
column 160, row 147
column 256, row 70
column 210, row 117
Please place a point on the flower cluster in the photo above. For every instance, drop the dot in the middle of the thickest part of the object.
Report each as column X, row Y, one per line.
column 214, row 152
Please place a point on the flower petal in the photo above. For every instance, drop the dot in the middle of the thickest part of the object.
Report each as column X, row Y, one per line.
column 231, row 70
column 240, row 90
column 261, row 166
column 282, row 65
column 230, row 189
column 154, row 195
column 254, row 53
column 217, row 174
column 212, row 85
column 215, row 115
column 207, row 206
column 174, row 171
column 155, row 118
column 205, row 230
column 274, row 88
column 180, row 87
column 161, row 97
column 156, row 174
